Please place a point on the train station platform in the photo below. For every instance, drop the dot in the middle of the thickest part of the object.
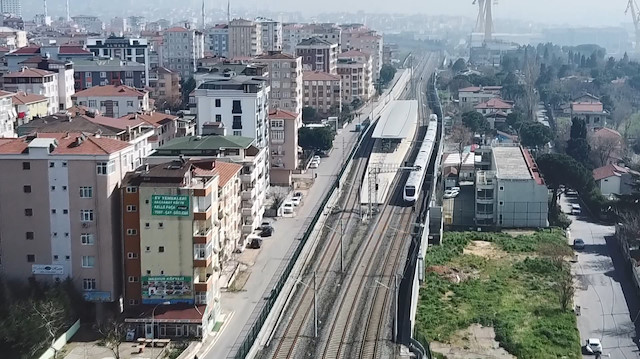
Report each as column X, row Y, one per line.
column 393, row 134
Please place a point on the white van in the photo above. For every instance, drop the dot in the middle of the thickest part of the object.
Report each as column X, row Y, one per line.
column 575, row 209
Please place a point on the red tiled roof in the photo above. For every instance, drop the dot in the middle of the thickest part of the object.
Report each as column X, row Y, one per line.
column 119, row 123
column 319, row 76
column 27, row 50
column 275, row 56
column 607, row 171
column 152, row 118
column 495, row 103
column 533, row 167
column 176, row 29
column 226, row 171
column 4, row 49
column 29, row 72
column 73, row 50
column 353, row 53
column 22, row 98
column 587, row 107
column 110, row 90
column 90, row 145
column 283, row 115
column 6, row 93
column 607, row 133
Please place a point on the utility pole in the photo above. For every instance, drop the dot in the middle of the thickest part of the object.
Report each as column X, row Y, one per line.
column 315, row 307
column 395, row 312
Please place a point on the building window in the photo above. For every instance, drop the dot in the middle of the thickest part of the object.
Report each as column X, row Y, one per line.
column 131, row 231
column 160, row 225
column 199, row 251
column 29, row 235
column 53, row 188
column 26, row 165
column 86, row 215
column 147, row 225
column 105, row 168
column 26, row 189
column 87, row 239
column 218, row 103
column 201, row 297
column 52, row 164
column 237, row 123
column 133, row 302
column 89, row 284
column 132, row 255
column 161, row 249
column 218, row 118
column 86, row 192
column 103, row 74
column 92, row 103
column 55, row 257
column 53, row 211
column 55, row 234
column 31, row 258
column 88, row 261
column 65, row 211
column 28, row 212
column 133, row 279
column 277, row 135
column 237, row 133
column 132, row 208
column 130, row 103
column 501, row 188
column 237, row 108
column 64, row 164
column 132, row 189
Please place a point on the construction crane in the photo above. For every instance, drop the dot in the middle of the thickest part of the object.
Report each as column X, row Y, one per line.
column 635, row 14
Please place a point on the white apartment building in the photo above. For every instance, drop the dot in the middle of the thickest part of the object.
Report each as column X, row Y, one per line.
column 124, row 48
column 90, row 24
column 365, row 40
column 285, row 80
column 292, row 34
column 477, row 94
column 271, row 34
column 34, row 81
column 182, row 47
column 355, row 69
column 8, row 114
column 245, row 38
column 239, row 102
column 12, row 38
column 113, row 100
column 216, row 40
column 13, row 7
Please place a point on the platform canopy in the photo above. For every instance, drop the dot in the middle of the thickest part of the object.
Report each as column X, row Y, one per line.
column 397, row 120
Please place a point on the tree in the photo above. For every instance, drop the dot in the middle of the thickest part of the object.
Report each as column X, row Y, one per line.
column 515, row 119
column 309, row 115
column 475, row 121
column 316, row 139
column 565, row 289
column 187, row 88
column 387, row 72
column 603, row 147
column 560, row 169
column 535, row 134
column 459, row 66
column 113, row 334
column 51, row 315
column 460, row 137
column 578, row 146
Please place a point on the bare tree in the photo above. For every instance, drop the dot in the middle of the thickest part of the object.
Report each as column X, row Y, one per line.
column 603, row 147
column 52, row 319
column 565, row 290
column 461, row 137
column 277, row 194
column 556, row 253
column 530, row 72
column 113, row 334
column 630, row 227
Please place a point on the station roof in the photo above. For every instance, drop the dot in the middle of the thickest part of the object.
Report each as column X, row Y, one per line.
column 397, row 120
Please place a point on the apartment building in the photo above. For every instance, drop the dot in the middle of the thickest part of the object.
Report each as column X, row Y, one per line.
column 283, row 145
column 510, row 193
column 103, row 71
column 113, row 100
column 181, row 49
column 322, row 91
column 171, row 237
column 216, row 40
column 271, row 34
column 285, row 79
column 63, row 220
column 28, row 106
column 13, row 7
column 358, row 37
column 254, row 176
column 34, row 81
column 318, row 55
column 477, row 94
column 65, row 74
column 245, row 38
column 12, row 38
column 90, row 24
column 8, row 115
column 165, row 126
column 294, row 33
column 64, row 53
column 123, row 48
column 355, row 69
column 165, row 88
column 240, row 102
column 229, row 210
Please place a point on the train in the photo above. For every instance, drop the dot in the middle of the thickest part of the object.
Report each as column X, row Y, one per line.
column 414, row 183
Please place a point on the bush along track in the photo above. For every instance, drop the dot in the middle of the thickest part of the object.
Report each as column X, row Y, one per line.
column 518, row 285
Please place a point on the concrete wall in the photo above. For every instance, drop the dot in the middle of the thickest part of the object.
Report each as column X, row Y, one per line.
column 610, row 185
column 521, row 204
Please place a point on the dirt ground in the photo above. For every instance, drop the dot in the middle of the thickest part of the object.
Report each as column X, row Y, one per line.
column 475, row 342
column 484, row 249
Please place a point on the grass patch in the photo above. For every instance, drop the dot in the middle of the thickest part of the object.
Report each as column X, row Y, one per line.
column 517, row 294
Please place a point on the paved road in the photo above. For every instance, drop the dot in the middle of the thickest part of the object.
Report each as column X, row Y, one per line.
column 243, row 306
column 604, row 290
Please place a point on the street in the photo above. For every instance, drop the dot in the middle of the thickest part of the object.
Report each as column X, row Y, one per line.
column 603, row 288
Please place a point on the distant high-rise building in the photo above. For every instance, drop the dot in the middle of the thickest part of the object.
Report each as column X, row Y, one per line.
column 11, row 7
column 271, row 34
column 123, row 48
column 216, row 40
column 182, row 47
column 245, row 38
column 318, row 55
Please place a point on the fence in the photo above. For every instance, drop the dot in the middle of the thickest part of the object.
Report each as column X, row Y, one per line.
column 61, row 341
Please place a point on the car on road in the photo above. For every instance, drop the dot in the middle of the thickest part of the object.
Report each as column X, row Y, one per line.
column 287, row 208
column 255, row 243
column 451, row 193
column 314, row 164
column 296, row 201
column 575, row 209
column 570, row 192
column 315, row 158
column 266, row 232
column 593, row 346
column 578, row 244
column 263, row 225
column 298, row 194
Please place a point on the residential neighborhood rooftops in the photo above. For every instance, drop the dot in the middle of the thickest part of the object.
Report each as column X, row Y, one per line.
column 494, row 103
column 353, row 53
column 319, row 76
column 207, row 143
column 512, row 164
column 605, row 132
column 64, row 144
column 591, row 107
column 610, row 170
column 21, row 98
column 226, row 171
column 110, row 90
column 315, row 41
column 275, row 55
column 282, row 115
column 6, row 93
column 480, row 88
column 29, row 72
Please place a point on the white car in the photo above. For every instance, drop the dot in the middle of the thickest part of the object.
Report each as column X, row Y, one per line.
column 287, row 208
column 314, row 164
column 296, row 201
column 593, row 346
column 450, row 193
column 316, row 158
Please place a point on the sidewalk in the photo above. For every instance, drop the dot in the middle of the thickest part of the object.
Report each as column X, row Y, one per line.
column 246, row 303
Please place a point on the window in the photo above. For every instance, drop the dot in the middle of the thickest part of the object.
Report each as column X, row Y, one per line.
column 64, row 188
column 26, row 165
column 130, row 103
column 132, row 255
column 277, row 123
column 237, row 108
column 31, row 258
column 147, row 249
column 199, row 251
column 501, row 188
column 86, row 215
column 237, row 123
column 65, row 211
column 53, row 188
column 128, row 74
column 132, row 208
column 237, row 133
column 160, row 225
column 161, row 249
column 52, row 164
column 105, row 168
column 103, row 103
column 64, row 164
column 88, row 261
column 55, row 257
column 92, row 103
column 219, row 102
column 28, row 212
column 29, row 235
column 131, row 231
column 201, row 297
column 133, row 279
column 277, row 135
column 87, row 239
column 53, row 211
column 218, row 118
column 146, row 225
column 55, row 234
column 103, row 74
column 66, row 234
column 132, row 189
column 133, row 302
column 86, row 192
column 26, row 189
column 89, row 284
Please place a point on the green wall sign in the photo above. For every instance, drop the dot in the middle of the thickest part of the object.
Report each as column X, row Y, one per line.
column 170, row 205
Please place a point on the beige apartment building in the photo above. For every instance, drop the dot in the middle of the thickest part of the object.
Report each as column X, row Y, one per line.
column 361, row 38
column 165, row 87
column 283, row 145
column 322, row 91
column 245, row 38
column 285, row 80
column 318, row 55
column 62, row 219
column 354, row 68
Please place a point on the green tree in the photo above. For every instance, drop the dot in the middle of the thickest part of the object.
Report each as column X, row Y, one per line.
column 387, row 72
column 316, row 139
column 459, row 66
column 309, row 115
column 475, row 121
column 535, row 134
column 560, row 169
column 578, row 146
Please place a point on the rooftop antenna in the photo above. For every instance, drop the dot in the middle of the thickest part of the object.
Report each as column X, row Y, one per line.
column 68, row 15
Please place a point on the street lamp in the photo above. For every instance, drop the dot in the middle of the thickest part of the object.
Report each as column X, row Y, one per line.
column 153, row 318
column 315, row 303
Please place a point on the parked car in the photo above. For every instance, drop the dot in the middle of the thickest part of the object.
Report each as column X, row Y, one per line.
column 315, row 158
column 570, row 192
column 266, row 232
column 450, row 193
column 593, row 346
column 263, row 225
column 298, row 194
column 255, row 243
column 287, row 208
column 314, row 164
column 296, row 201
column 578, row 244
column 575, row 209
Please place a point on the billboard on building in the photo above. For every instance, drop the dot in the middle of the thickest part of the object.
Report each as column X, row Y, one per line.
column 50, row 269
column 172, row 289
column 170, row 205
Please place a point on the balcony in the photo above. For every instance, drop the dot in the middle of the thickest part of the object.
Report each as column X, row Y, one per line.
column 203, row 236
column 248, row 177
column 200, row 214
column 484, row 200
column 248, row 212
column 247, row 228
column 485, row 179
column 248, row 194
column 484, row 215
column 201, row 279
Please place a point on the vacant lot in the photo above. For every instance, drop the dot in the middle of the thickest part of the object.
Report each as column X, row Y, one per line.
column 512, row 284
